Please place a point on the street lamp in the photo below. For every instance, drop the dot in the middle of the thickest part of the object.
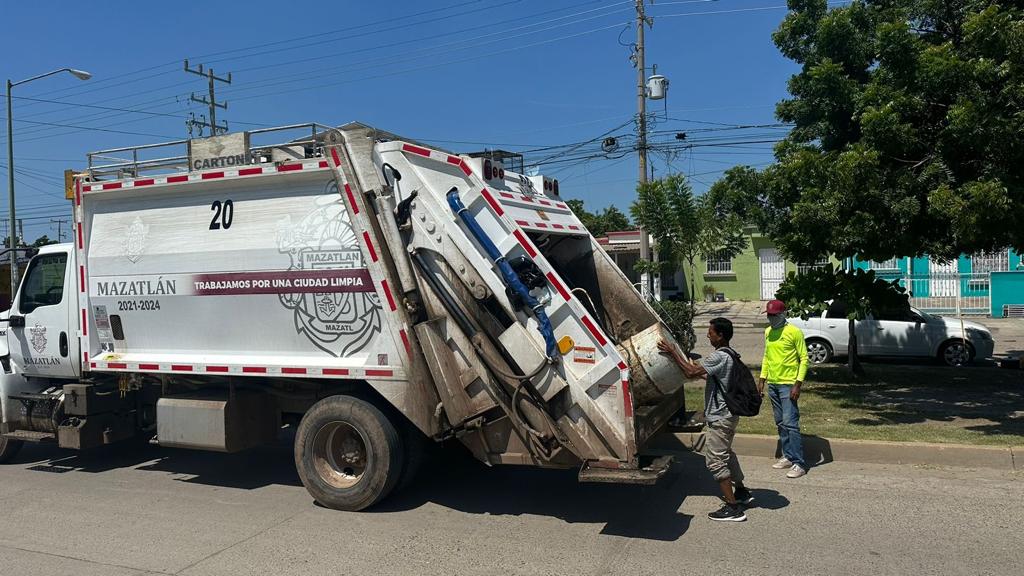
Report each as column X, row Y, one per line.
column 81, row 75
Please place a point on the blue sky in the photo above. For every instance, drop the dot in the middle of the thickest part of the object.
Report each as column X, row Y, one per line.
column 463, row 74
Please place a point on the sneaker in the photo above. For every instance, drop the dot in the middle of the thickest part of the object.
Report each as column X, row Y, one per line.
column 796, row 471
column 782, row 464
column 728, row 513
column 743, row 496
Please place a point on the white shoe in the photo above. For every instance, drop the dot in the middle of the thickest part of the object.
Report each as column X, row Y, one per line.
column 795, row 472
column 783, row 463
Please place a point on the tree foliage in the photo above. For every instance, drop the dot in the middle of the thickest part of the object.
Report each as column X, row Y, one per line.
column 908, row 116
column 600, row 223
column 684, row 226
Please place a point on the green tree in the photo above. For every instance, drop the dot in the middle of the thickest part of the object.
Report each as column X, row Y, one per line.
column 600, row 223
column 684, row 226
column 907, row 119
column 43, row 240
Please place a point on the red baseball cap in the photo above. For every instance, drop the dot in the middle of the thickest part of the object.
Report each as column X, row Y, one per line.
column 775, row 307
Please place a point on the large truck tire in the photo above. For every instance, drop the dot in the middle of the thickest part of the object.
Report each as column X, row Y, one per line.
column 348, row 454
column 9, row 449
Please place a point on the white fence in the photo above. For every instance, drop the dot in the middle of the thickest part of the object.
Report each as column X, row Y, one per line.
column 949, row 293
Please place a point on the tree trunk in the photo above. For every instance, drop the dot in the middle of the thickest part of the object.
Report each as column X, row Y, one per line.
column 852, row 360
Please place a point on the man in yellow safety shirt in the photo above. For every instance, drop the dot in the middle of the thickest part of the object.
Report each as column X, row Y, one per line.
column 783, row 369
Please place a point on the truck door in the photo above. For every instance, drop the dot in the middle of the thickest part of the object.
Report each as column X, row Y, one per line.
column 42, row 341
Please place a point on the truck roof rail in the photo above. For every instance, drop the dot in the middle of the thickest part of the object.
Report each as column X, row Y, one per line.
column 173, row 156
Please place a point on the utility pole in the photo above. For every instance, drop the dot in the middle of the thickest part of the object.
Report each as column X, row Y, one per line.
column 60, row 222
column 210, row 101
column 641, row 125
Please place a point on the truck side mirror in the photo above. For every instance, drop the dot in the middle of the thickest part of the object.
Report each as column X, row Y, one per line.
column 16, row 321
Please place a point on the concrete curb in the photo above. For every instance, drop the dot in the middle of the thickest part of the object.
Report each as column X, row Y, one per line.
column 819, row 450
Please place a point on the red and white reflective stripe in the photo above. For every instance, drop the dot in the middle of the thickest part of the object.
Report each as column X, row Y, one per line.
column 368, row 372
column 494, row 203
column 558, row 286
column 209, row 175
column 369, row 246
column 627, row 395
column 594, row 331
column 387, row 293
column 85, row 324
column 525, row 243
column 405, row 342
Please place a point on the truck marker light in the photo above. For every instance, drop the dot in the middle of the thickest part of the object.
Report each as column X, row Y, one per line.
column 335, row 371
column 217, row 369
column 254, row 369
column 111, row 186
column 117, row 365
column 210, row 175
column 85, row 324
column 506, row 195
column 289, row 167
column 176, row 179
column 565, row 345
column 149, row 366
column 180, row 368
column 289, row 370
column 250, row 171
column 144, row 182
column 81, row 278
column 487, row 169
column 387, row 373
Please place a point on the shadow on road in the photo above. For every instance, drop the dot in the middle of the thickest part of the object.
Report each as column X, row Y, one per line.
column 451, row 478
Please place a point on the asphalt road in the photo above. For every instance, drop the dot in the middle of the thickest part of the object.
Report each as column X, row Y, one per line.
column 163, row 511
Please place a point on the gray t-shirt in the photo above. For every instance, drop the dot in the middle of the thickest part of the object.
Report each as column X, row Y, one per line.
column 718, row 365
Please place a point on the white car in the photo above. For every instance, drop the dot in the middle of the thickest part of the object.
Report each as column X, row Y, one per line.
column 909, row 333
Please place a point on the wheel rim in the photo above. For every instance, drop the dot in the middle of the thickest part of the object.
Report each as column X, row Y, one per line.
column 817, row 353
column 339, row 454
column 956, row 354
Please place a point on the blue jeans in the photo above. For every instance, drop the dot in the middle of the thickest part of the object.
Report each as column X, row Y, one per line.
column 787, row 419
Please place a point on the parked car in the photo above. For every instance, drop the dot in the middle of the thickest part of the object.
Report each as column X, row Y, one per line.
column 906, row 333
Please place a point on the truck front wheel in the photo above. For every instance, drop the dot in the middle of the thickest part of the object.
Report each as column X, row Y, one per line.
column 9, row 449
column 348, row 454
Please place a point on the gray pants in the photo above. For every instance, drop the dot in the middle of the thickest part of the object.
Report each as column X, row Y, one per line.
column 718, row 455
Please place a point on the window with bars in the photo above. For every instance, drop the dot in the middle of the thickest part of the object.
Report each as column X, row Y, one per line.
column 890, row 264
column 719, row 263
column 818, row 264
column 985, row 262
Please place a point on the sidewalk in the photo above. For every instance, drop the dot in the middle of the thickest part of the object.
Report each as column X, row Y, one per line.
column 744, row 314
column 818, row 451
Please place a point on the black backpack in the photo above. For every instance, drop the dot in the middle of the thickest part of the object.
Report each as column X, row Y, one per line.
column 741, row 395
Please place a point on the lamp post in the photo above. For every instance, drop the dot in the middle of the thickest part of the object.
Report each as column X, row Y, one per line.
column 81, row 75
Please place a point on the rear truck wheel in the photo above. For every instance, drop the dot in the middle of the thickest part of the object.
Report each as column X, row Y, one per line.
column 956, row 352
column 819, row 351
column 418, row 449
column 9, row 449
column 348, row 454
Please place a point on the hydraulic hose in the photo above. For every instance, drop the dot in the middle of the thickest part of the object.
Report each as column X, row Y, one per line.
column 508, row 275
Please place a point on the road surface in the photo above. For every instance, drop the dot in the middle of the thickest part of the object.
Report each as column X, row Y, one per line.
column 153, row 510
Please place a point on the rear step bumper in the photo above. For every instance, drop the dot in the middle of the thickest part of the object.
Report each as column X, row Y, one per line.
column 28, row 436
column 647, row 475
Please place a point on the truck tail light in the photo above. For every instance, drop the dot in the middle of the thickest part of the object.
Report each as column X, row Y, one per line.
column 487, row 169
column 554, row 187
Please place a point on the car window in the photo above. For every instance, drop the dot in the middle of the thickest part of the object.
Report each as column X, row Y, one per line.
column 836, row 310
column 44, row 282
column 899, row 315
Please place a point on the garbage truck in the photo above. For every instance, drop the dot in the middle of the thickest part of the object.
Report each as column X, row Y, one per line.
column 369, row 291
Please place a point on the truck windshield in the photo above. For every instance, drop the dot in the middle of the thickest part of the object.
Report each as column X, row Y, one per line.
column 44, row 282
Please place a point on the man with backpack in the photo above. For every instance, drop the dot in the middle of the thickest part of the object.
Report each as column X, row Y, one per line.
column 729, row 393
